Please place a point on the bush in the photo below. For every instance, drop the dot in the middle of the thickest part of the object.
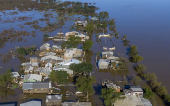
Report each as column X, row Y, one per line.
column 148, row 94
column 45, row 36
column 161, row 90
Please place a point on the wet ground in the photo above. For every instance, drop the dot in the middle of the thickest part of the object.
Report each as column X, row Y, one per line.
column 146, row 23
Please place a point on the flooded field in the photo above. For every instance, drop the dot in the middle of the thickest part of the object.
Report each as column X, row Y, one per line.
column 146, row 24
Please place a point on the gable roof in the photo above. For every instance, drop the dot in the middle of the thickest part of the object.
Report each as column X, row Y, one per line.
column 33, row 77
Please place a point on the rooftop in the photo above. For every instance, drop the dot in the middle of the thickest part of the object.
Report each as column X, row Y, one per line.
column 36, row 85
column 53, row 98
column 76, row 104
column 50, row 53
column 31, row 103
column 15, row 74
column 33, row 77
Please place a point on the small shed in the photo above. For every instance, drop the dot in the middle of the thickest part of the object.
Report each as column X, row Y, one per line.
column 45, row 46
column 107, row 54
column 76, row 104
column 29, row 69
column 53, row 100
column 15, row 76
column 33, row 59
column 113, row 86
column 81, row 23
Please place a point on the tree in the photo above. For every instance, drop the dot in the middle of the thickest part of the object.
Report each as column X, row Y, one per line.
column 110, row 96
column 123, row 63
column 87, row 45
column 167, row 98
column 84, row 84
column 125, row 36
column 150, row 77
column 161, row 90
column 111, row 23
column 6, row 79
column 136, row 80
column 89, row 27
column 137, row 58
column 45, row 36
column 82, row 67
column 59, row 76
column 140, row 68
column 133, row 51
column 155, row 84
column 148, row 94
column 72, row 42
column 103, row 15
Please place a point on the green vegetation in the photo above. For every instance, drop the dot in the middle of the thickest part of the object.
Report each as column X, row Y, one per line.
column 136, row 80
column 135, row 57
column 6, row 79
column 59, row 77
column 72, row 42
column 123, row 64
column 148, row 94
column 84, row 84
column 14, row 86
column 45, row 36
column 103, row 15
column 82, row 67
column 140, row 68
column 89, row 27
column 110, row 96
column 87, row 45
column 22, row 51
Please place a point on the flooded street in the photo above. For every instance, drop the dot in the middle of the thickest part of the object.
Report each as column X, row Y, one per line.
column 146, row 24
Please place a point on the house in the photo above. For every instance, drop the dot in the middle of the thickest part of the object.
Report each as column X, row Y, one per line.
column 50, row 54
column 45, row 71
column 134, row 90
column 73, row 53
column 73, row 33
column 51, row 58
column 29, row 69
column 33, row 64
column 113, row 86
column 31, row 103
column 114, row 64
column 53, row 100
column 60, row 34
column 8, row 104
column 32, row 78
column 36, row 87
column 66, row 63
column 103, row 64
column 58, row 48
column 82, row 23
column 76, row 104
column 15, row 76
column 83, row 37
column 33, row 59
column 60, row 68
column 41, row 54
column 45, row 46
column 107, row 54
column 130, row 100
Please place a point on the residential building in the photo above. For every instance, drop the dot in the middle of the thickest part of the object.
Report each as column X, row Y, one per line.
column 107, row 54
column 50, row 54
column 53, row 100
column 33, row 64
column 31, row 103
column 33, row 59
column 146, row 102
column 32, row 78
column 45, row 47
column 45, row 71
column 103, row 64
column 113, row 86
column 73, row 33
column 94, row 18
column 76, row 104
column 29, row 69
column 134, row 90
column 82, row 23
column 58, row 48
column 73, row 53
column 66, row 63
column 51, row 58
column 15, row 76
column 36, row 87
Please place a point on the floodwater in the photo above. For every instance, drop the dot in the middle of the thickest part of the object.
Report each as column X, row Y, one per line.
column 146, row 24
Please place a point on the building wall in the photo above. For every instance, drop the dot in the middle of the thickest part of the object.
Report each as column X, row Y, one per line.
column 47, row 90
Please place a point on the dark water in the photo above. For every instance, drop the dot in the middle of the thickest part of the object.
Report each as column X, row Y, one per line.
column 146, row 23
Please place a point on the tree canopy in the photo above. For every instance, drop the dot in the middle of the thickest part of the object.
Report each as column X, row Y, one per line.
column 84, row 84
column 87, row 45
column 6, row 79
column 82, row 67
column 22, row 51
column 89, row 27
column 59, row 76
column 103, row 15
column 148, row 93
column 110, row 96
column 72, row 42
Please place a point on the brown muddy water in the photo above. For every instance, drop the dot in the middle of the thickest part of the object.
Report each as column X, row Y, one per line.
column 146, row 23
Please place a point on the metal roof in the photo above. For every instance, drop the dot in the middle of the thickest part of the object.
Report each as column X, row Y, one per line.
column 36, row 85
column 31, row 103
column 53, row 98
column 76, row 104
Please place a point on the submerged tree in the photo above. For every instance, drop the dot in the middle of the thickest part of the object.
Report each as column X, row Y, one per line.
column 72, row 42
column 89, row 27
column 87, row 45
column 84, row 84
column 6, row 79
column 103, row 15
column 82, row 67
column 110, row 96
column 148, row 94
